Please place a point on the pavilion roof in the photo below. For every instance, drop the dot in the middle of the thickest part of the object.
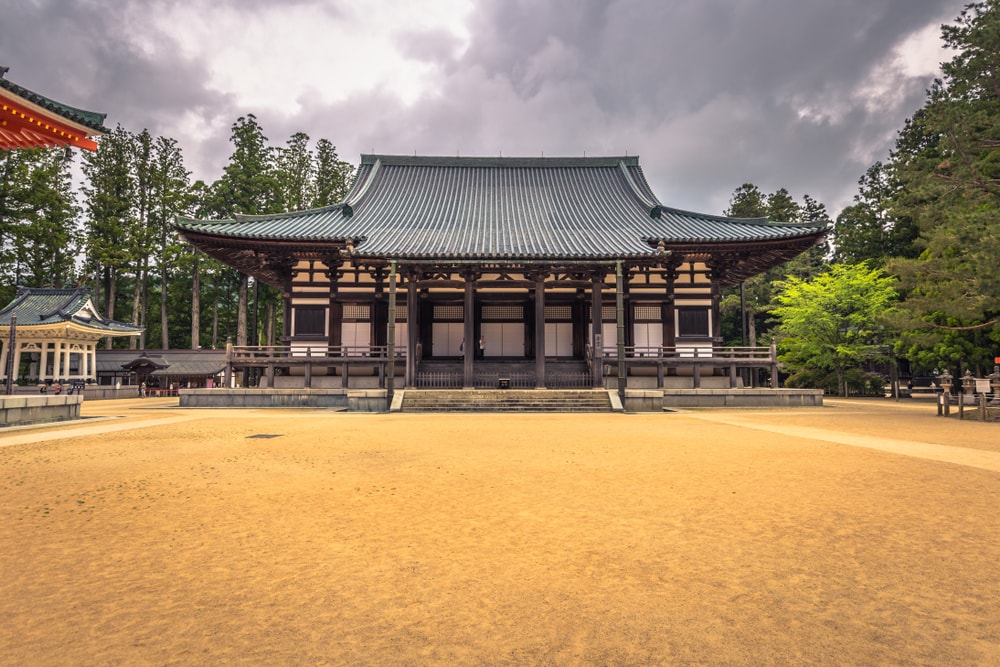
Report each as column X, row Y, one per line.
column 48, row 307
column 477, row 208
column 175, row 363
column 31, row 120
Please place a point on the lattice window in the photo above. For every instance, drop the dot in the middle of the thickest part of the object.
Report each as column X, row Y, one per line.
column 310, row 320
column 647, row 314
column 693, row 322
column 503, row 313
column 357, row 311
column 442, row 313
column 609, row 313
column 558, row 313
column 400, row 314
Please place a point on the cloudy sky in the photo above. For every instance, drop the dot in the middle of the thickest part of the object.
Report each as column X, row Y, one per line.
column 801, row 94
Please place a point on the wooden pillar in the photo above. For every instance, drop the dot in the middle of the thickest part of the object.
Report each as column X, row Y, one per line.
column 57, row 359
column 336, row 322
column 227, row 377
column 390, row 336
column 412, row 330
column 65, row 361
column 669, row 317
column 596, row 339
column 540, row 331
column 620, row 322
column 469, row 333
column 4, row 353
column 16, row 368
column 775, row 382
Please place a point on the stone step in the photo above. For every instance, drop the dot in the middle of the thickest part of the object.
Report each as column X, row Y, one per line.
column 431, row 400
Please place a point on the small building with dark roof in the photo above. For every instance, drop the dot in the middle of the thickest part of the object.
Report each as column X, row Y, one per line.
column 161, row 369
column 536, row 263
column 55, row 335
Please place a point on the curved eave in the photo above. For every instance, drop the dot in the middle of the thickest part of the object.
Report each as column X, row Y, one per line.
column 744, row 260
column 307, row 226
column 96, row 332
column 86, row 120
column 515, row 258
column 262, row 258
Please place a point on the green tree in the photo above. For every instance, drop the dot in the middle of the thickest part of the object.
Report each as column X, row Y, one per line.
column 248, row 186
column 757, row 292
column 38, row 220
column 109, row 193
column 948, row 163
column 139, row 233
column 169, row 196
column 833, row 323
column 867, row 230
column 333, row 176
column 295, row 173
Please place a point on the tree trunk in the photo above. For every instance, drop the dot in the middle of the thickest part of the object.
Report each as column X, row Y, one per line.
column 270, row 324
column 164, row 325
column 241, row 312
column 144, row 305
column 215, row 326
column 136, row 306
column 110, row 287
column 195, row 306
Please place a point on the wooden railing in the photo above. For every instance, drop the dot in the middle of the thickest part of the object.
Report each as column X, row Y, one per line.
column 265, row 353
column 700, row 356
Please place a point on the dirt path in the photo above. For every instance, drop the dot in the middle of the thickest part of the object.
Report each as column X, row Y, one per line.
column 861, row 533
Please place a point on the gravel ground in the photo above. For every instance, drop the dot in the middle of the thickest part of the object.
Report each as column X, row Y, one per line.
column 864, row 532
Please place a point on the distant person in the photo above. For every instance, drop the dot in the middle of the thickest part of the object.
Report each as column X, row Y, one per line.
column 142, row 390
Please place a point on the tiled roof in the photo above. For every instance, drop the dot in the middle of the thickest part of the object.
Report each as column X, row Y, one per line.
column 90, row 119
column 168, row 362
column 47, row 306
column 497, row 208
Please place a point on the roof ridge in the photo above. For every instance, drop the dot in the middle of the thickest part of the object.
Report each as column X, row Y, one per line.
column 498, row 161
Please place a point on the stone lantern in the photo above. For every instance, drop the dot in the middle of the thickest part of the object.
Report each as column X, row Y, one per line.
column 945, row 379
column 968, row 387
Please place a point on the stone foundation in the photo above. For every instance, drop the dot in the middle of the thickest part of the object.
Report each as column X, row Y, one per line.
column 655, row 400
column 362, row 400
column 18, row 410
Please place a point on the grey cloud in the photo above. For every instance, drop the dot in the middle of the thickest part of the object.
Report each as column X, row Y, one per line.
column 707, row 92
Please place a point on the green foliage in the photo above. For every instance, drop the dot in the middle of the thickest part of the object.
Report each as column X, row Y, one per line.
column 749, row 202
column 948, row 162
column 834, row 322
column 333, row 176
column 867, row 231
column 38, row 220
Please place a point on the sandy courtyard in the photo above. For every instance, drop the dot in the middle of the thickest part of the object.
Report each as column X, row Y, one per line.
column 860, row 533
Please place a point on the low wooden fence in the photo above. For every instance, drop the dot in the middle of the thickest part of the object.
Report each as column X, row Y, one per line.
column 700, row 358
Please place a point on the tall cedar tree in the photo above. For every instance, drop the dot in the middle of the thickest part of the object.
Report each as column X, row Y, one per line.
column 38, row 220
column 109, row 192
column 248, row 186
column 169, row 196
column 948, row 165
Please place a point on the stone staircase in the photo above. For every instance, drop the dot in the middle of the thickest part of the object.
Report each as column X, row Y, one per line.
column 507, row 400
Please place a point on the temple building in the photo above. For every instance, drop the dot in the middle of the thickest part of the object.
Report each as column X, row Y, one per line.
column 556, row 271
column 30, row 120
column 50, row 335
